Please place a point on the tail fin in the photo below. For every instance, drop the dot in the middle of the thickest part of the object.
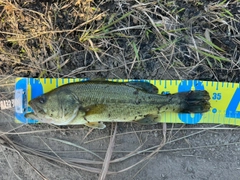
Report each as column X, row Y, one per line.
column 194, row 102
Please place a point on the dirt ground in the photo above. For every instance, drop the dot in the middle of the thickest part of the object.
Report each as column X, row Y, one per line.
column 189, row 39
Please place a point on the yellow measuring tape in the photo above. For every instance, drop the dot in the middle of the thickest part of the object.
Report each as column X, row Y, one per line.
column 225, row 98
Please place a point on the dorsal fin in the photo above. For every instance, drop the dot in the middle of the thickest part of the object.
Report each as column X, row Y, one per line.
column 144, row 86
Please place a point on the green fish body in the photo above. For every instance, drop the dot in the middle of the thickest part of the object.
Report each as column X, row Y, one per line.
column 93, row 102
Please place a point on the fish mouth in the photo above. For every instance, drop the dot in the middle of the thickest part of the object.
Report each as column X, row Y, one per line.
column 36, row 109
column 37, row 113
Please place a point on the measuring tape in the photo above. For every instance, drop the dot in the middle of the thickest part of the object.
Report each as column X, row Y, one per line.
column 225, row 98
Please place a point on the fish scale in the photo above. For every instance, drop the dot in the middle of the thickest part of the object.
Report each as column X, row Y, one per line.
column 90, row 92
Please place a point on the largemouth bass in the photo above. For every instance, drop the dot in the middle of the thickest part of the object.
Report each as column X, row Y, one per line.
column 93, row 102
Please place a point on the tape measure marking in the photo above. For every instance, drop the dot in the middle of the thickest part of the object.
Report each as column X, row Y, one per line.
column 225, row 98
column 7, row 104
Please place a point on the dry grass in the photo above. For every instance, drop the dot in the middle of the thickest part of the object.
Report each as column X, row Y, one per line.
column 143, row 152
column 125, row 40
column 121, row 39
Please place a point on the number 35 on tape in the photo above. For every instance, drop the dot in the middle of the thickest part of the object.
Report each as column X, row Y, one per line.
column 225, row 98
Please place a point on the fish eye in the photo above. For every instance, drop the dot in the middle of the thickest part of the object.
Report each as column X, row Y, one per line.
column 42, row 99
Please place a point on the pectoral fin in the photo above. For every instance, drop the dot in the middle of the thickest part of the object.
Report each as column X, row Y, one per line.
column 95, row 109
column 85, row 112
column 149, row 119
column 96, row 125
